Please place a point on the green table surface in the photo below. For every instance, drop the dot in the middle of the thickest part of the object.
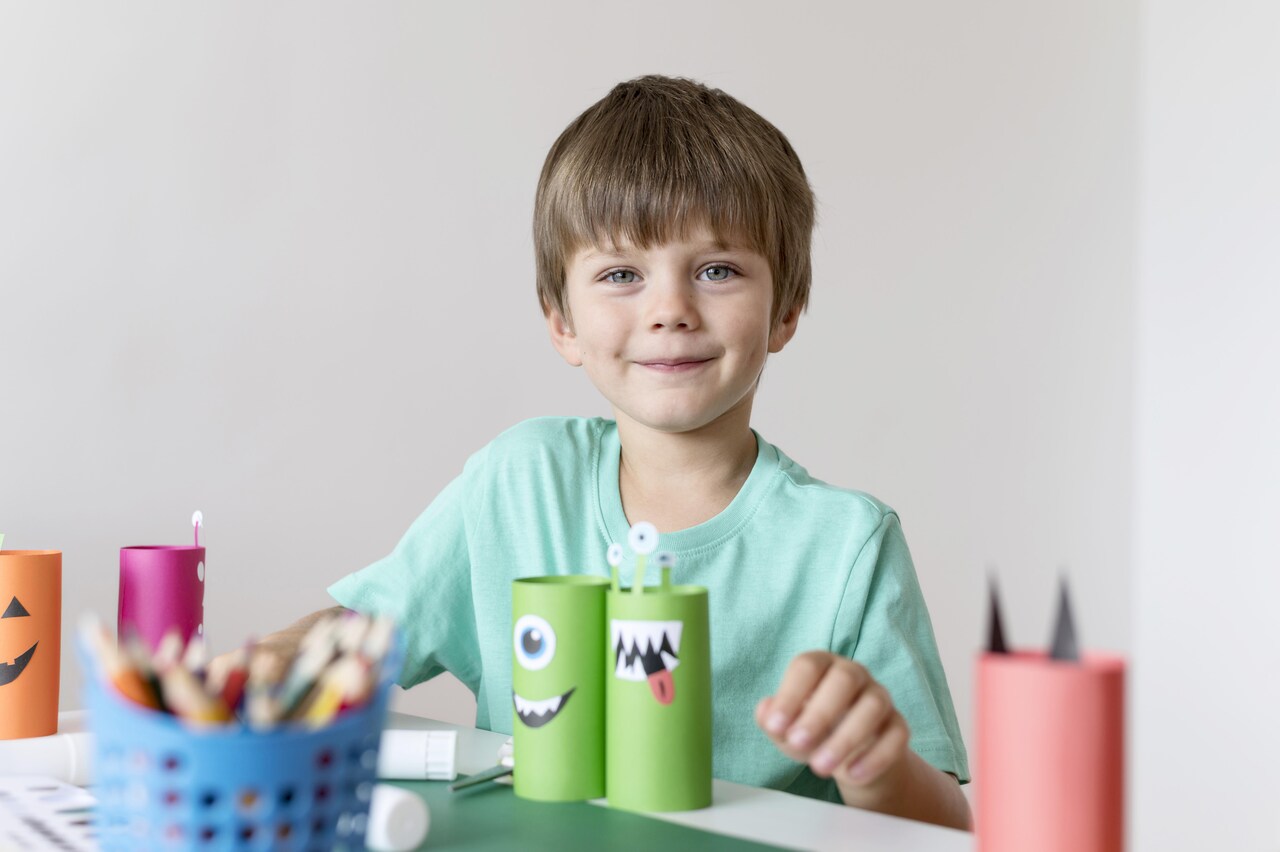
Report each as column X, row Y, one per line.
column 492, row 817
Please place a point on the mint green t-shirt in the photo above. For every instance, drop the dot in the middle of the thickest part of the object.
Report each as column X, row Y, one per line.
column 792, row 564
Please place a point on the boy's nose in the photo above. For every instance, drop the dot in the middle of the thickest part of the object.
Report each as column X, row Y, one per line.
column 672, row 306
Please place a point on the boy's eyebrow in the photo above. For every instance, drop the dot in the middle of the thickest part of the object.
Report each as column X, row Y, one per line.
column 702, row 249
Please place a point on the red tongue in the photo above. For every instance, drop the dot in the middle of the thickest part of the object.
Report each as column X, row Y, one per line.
column 664, row 688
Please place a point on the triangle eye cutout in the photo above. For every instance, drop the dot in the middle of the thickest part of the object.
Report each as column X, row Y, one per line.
column 15, row 609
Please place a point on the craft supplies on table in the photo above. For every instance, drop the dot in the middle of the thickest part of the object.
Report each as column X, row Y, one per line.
column 557, row 682
column 611, row 686
column 398, row 819
column 290, row 761
column 41, row 813
column 1050, row 733
column 162, row 589
column 418, row 755
column 30, row 642
column 66, row 755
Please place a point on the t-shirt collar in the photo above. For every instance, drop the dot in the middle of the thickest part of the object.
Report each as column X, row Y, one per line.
column 707, row 534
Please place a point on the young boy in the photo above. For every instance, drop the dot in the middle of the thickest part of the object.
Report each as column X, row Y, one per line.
column 672, row 230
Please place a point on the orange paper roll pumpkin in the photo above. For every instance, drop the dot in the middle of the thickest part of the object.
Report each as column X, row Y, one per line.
column 30, row 646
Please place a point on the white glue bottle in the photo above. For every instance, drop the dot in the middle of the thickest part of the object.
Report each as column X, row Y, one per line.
column 398, row 819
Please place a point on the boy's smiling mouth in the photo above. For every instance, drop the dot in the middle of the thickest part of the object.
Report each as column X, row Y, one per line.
column 674, row 365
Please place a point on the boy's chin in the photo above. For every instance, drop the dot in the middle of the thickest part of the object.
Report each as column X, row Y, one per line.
column 675, row 423
column 685, row 413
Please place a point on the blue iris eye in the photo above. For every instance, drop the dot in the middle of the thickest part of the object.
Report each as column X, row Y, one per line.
column 534, row 641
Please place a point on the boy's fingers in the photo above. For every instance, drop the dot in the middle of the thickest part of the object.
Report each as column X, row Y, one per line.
column 798, row 681
column 216, row 669
column 856, row 732
column 884, row 752
column 269, row 663
column 839, row 689
column 762, row 710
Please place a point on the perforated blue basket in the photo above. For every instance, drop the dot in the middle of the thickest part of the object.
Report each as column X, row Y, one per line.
column 164, row 785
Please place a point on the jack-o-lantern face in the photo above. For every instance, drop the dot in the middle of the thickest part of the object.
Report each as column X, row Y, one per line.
column 9, row 671
column 30, row 642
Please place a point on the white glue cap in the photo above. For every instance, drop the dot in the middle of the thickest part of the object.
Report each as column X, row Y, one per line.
column 418, row 755
column 398, row 820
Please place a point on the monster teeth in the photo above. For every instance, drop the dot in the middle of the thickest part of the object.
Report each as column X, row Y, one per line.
column 642, row 636
column 635, row 671
column 548, row 705
column 646, row 634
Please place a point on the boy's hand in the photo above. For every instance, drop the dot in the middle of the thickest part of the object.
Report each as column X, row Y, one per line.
column 275, row 651
column 830, row 713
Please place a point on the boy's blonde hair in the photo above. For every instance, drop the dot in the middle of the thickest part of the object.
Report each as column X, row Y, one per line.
column 659, row 155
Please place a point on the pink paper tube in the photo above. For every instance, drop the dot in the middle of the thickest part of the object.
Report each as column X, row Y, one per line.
column 161, row 588
column 1050, row 769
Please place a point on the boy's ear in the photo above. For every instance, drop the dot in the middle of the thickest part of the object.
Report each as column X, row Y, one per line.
column 563, row 338
column 785, row 330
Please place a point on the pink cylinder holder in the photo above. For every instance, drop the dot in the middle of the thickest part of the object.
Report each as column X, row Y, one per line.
column 161, row 588
column 1050, row 769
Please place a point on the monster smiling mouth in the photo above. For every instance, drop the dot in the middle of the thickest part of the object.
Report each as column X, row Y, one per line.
column 648, row 650
column 535, row 714
column 9, row 671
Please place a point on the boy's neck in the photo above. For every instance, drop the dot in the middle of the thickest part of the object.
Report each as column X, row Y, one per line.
column 676, row 481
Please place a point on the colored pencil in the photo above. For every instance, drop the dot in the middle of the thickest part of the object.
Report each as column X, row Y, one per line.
column 261, row 707
column 118, row 671
column 335, row 669
column 183, row 693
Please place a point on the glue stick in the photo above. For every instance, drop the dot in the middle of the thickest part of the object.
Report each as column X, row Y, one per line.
column 398, row 819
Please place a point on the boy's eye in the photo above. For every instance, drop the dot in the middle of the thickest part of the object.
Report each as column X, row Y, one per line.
column 535, row 642
column 726, row 269
column 719, row 272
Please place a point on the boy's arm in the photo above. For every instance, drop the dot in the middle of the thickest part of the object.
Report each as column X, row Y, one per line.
column 915, row 790
column 893, row 747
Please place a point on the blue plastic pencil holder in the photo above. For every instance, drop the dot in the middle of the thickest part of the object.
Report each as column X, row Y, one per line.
column 163, row 784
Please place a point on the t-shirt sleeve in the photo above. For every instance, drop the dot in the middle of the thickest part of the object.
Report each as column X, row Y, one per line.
column 884, row 624
column 425, row 585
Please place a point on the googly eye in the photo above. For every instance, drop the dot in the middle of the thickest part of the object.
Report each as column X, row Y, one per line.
column 614, row 555
column 643, row 538
column 535, row 642
column 665, row 559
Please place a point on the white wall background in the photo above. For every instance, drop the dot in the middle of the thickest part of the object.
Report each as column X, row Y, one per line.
column 275, row 262
column 1206, row 744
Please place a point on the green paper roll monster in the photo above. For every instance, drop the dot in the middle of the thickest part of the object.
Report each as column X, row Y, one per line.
column 658, row 692
column 557, row 680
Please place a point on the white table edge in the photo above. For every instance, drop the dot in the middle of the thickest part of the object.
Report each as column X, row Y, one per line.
column 751, row 813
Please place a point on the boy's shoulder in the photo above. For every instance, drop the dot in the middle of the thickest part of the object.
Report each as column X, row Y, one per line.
column 828, row 500
column 545, row 443
column 567, row 433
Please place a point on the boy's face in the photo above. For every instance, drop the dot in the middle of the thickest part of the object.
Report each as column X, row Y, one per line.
column 674, row 337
